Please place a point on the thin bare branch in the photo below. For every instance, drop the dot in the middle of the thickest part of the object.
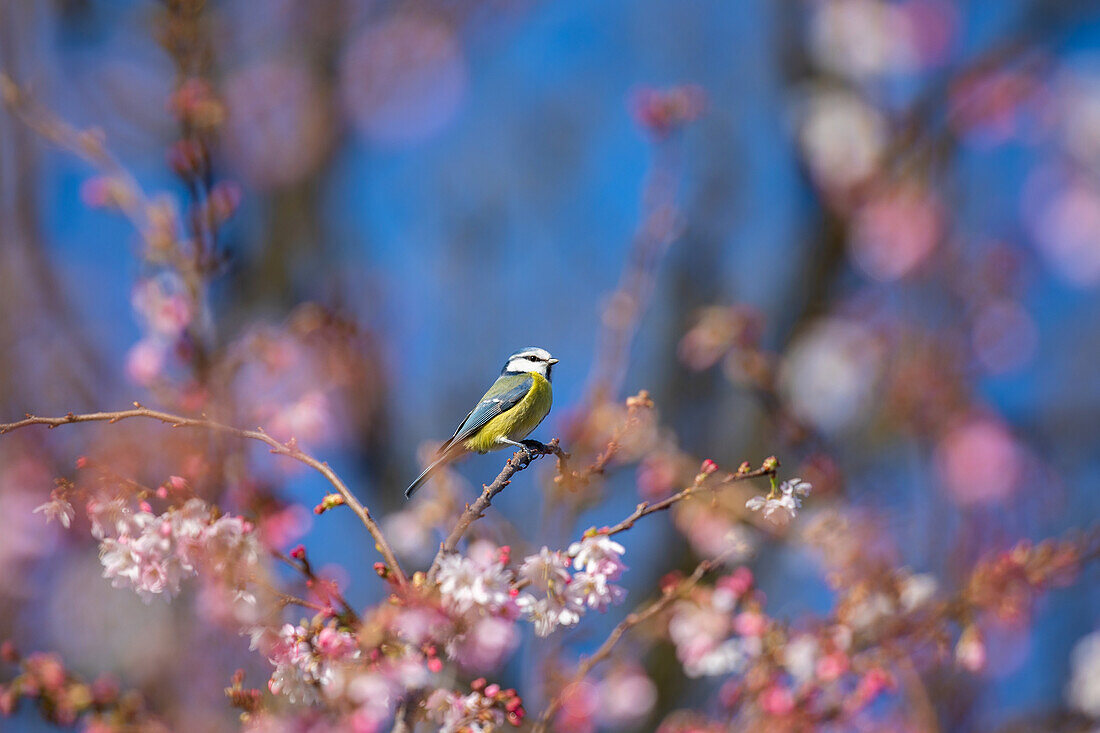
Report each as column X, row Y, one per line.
column 289, row 449
column 520, row 460
column 646, row 508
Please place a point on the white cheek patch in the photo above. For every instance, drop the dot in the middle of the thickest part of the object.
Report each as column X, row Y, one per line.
column 526, row 365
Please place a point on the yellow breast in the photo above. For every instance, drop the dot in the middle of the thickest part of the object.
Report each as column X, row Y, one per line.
column 517, row 423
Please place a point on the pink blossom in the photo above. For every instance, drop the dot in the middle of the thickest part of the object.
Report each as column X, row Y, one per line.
column 469, row 586
column 305, row 665
column 163, row 304
column 485, row 644
column 777, row 700
column 146, row 361
column 831, row 666
column 750, row 623
column 152, row 554
column 598, row 555
column 970, row 651
column 626, row 696
column 546, row 570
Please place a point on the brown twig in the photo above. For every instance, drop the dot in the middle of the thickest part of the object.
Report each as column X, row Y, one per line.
column 574, row 480
column 520, row 460
column 646, row 508
column 289, row 449
column 305, row 567
column 632, row 620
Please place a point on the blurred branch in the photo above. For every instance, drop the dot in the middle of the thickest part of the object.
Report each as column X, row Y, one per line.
column 85, row 144
column 520, row 460
column 289, row 449
column 154, row 220
column 661, row 225
column 632, row 620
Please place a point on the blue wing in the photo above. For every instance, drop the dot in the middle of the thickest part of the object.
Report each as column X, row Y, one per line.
column 506, row 393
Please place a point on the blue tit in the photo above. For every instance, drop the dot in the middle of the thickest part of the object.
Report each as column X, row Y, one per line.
column 513, row 407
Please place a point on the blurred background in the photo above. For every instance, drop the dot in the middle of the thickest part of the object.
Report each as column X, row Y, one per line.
column 861, row 235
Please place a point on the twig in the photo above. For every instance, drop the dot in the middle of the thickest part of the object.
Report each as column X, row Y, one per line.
column 289, row 449
column 632, row 620
column 520, row 460
column 574, row 480
column 85, row 144
column 646, row 508
column 304, row 567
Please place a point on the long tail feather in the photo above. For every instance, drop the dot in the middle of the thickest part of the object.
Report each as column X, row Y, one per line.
column 427, row 474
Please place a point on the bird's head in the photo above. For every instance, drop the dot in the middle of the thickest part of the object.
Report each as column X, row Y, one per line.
column 531, row 360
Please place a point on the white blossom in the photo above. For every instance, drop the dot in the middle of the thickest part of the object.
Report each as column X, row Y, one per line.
column 58, row 508
column 545, row 571
column 599, row 560
column 598, row 555
column 305, row 665
column 782, row 505
column 467, row 585
column 917, row 590
column 556, row 609
column 152, row 554
column 800, row 657
column 594, row 590
column 1083, row 691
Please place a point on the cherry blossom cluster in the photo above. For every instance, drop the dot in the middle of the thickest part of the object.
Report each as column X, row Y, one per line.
column 152, row 553
column 715, row 632
column 800, row 678
column 368, row 669
column 306, row 661
column 485, row 708
column 364, row 670
column 544, row 591
column 553, row 596
column 479, row 584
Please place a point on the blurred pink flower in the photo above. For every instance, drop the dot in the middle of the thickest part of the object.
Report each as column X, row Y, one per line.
column 1064, row 214
column 146, row 361
column 163, row 305
column 979, row 461
column 59, row 508
column 777, row 700
column 895, row 232
column 864, row 39
column 403, row 78
column 970, row 650
column 279, row 127
column 580, row 704
column 626, row 696
column 485, row 645
column 663, row 111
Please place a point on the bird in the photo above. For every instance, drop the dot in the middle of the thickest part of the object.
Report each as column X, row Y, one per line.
column 507, row 413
